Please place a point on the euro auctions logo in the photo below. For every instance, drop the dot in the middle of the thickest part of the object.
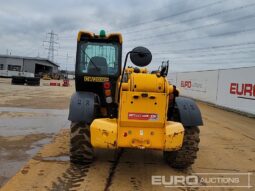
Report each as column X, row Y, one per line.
column 186, row 84
column 174, row 181
column 209, row 180
column 244, row 90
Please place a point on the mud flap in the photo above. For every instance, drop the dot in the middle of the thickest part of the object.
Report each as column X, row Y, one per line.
column 189, row 112
column 82, row 107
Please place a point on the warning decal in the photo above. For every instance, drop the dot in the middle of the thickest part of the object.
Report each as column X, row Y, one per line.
column 142, row 116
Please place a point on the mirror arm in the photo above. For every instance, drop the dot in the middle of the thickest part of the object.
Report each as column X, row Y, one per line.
column 122, row 75
column 125, row 63
column 167, row 67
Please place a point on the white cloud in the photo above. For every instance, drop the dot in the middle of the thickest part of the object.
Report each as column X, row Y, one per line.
column 24, row 25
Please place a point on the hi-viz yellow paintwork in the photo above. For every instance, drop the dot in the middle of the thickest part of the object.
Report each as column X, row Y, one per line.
column 142, row 120
column 93, row 35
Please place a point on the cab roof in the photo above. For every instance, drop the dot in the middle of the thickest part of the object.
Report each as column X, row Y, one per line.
column 90, row 35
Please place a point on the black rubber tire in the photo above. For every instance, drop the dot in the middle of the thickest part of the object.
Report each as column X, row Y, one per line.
column 18, row 80
column 186, row 156
column 81, row 150
column 33, row 81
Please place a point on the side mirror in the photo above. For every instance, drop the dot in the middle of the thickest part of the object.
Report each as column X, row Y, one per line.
column 140, row 56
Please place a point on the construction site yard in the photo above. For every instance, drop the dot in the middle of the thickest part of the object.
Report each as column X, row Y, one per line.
column 34, row 151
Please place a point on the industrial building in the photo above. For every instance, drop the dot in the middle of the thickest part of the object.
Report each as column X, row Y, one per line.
column 9, row 65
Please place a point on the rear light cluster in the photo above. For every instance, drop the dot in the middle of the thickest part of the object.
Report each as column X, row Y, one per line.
column 107, row 92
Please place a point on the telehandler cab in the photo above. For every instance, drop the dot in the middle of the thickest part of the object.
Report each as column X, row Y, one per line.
column 115, row 107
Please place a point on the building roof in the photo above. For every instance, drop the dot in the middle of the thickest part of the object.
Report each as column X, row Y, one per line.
column 29, row 58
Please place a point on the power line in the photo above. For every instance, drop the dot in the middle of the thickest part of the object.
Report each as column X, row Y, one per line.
column 217, row 54
column 235, row 32
column 195, row 19
column 52, row 42
column 217, row 59
column 206, row 50
column 196, row 55
column 196, row 28
column 202, row 59
column 211, row 47
column 205, row 62
column 174, row 15
column 67, row 58
column 215, row 63
column 202, row 37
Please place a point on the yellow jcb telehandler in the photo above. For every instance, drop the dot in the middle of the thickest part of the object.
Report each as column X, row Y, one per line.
column 118, row 107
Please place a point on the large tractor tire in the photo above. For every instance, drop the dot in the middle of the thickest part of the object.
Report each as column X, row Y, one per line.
column 33, row 81
column 186, row 156
column 81, row 150
column 18, row 80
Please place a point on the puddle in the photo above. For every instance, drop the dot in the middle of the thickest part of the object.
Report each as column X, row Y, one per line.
column 31, row 110
column 50, row 123
column 9, row 169
column 36, row 146
column 19, row 157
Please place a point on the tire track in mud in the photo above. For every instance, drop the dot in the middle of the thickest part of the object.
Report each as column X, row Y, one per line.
column 113, row 167
column 132, row 170
column 71, row 179
column 136, row 183
column 75, row 176
column 135, row 169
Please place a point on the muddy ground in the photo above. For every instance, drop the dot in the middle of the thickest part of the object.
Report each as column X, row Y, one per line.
column 43, row 97
column 29, row 118
column 227, row 146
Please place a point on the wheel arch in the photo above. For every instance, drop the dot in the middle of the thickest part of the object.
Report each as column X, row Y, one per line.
column 82, row 107
column 189, row 112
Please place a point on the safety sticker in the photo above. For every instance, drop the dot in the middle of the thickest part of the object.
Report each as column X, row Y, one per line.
column 142, row 116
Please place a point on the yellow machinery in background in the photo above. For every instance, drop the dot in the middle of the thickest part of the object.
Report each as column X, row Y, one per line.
column 51, row 76
column 46, row 77
column 118, row 107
